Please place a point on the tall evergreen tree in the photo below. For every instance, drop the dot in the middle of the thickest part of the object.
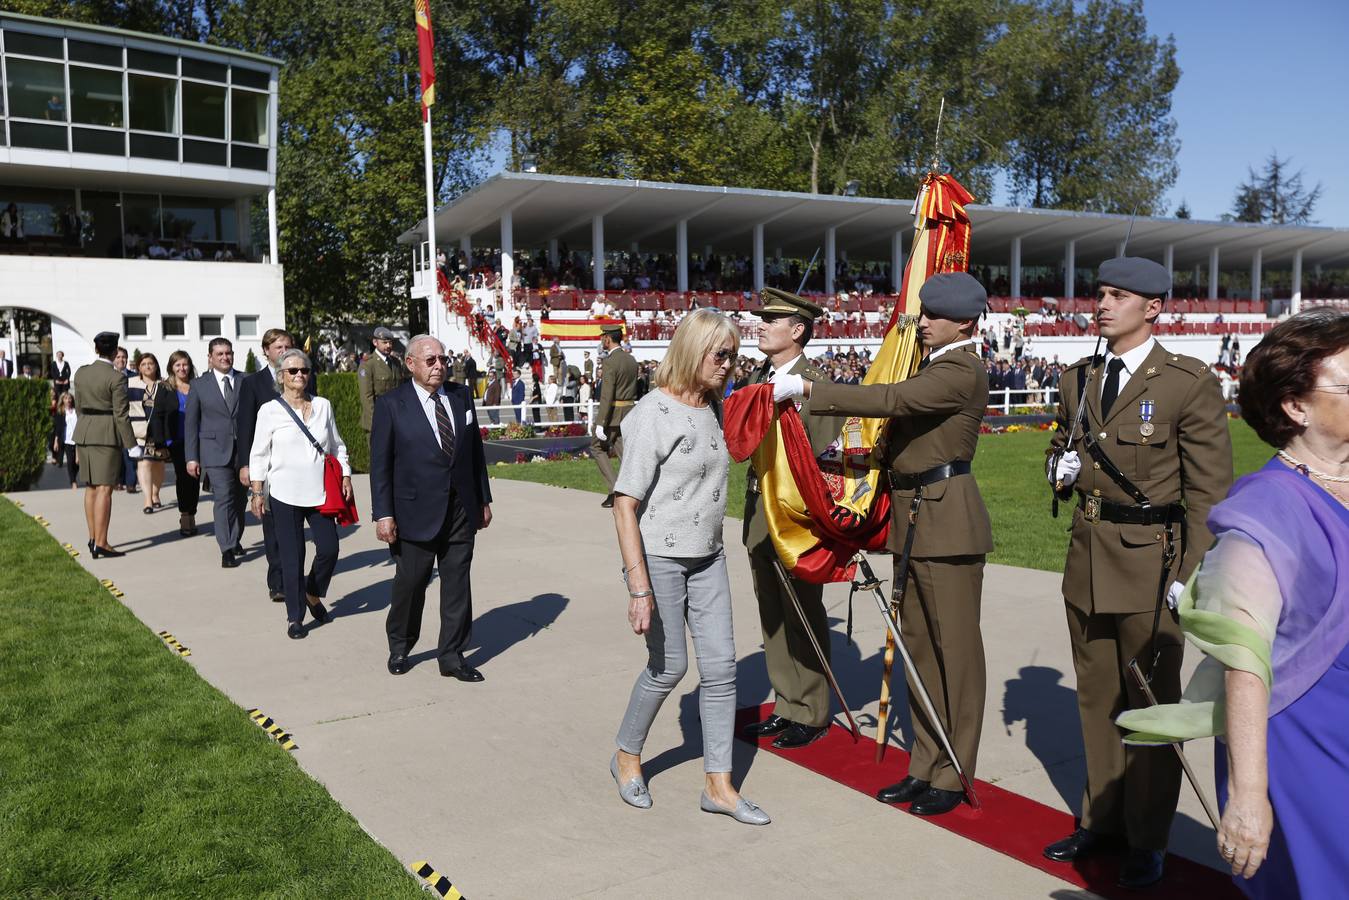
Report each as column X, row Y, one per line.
column 1275, row 195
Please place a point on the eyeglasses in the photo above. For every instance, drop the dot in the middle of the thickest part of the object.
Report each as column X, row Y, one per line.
column 1332, row 388
column 432, row 360
column 722, row 355
column 296, row 371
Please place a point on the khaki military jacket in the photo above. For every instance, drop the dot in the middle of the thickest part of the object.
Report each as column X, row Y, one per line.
column 822, row 430
column 377, row 378
column 101, row 407
column 1185, row 456
column 936, row 416
column 618, row 388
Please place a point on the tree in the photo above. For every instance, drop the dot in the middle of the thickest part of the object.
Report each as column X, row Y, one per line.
column 1183, row 211
column 1275, row 196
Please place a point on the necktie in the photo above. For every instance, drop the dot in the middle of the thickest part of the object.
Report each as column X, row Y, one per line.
column 443, row 426
column 227, row 386
column 1111, row 389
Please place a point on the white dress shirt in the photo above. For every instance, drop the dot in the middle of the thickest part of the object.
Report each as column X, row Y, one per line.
column 283, row 457
column 932, row 357
column 785, row 367
column 1133, row 359
column 424, row 397
column 222, row 377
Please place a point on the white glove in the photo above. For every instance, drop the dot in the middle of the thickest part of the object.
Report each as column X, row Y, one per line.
column 599, row 432
column 1066, row 469
column 787, row 387
column 1173, row 595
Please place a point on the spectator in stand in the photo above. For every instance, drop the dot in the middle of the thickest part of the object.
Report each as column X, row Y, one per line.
column 492, row 396
column 166, row 427
column 142, row 392
column 66, row 452
column 551, row 399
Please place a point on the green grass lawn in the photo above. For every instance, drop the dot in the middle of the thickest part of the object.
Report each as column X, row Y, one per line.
column 124, row 774
column 1010, row 470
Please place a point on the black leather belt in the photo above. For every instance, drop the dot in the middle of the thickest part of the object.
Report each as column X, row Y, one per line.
column 1094, row 509
column 931, row 476
column 95, row 412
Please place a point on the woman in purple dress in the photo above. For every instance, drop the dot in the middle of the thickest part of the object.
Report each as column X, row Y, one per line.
column 1270, row 608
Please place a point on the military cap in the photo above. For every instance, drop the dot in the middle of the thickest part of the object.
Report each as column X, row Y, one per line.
column 106, row 341
column 1136, row 275
column 614, row 331
column 954, row 295
column 383, row 334
column 778, row 302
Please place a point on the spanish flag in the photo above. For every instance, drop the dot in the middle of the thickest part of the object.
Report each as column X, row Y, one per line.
column 574, row 329
column 820, row 512
column 426, row 55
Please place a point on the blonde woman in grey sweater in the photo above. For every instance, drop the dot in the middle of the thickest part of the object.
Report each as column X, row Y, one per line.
column 669, row 502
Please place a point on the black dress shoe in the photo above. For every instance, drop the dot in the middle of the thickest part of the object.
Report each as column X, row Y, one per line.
column 295, row 631
column 1142, row 868
column 320, row 612
column 1080, row 844
column 935, row 802
column 463, row 673
column 227, row 560
column 398, row 663
column 799, row 735
column 608, row 502
column 107, row 551
column 238, row 549
column 907, row 790
column 774, row 724
column 277, row 596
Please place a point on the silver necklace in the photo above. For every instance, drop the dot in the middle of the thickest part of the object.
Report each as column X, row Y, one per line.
column 1308, row 470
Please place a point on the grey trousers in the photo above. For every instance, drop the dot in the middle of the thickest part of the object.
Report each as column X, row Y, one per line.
column 696, row 590
column 229, row 502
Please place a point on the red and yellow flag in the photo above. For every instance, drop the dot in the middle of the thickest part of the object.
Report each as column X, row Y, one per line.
column 820, row 512
column 426, row 56
column 574, row 329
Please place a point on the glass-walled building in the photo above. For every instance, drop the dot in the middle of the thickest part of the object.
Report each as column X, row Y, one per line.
column 123, row 147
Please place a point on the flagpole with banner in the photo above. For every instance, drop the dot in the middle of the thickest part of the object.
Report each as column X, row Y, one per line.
column 425, row 53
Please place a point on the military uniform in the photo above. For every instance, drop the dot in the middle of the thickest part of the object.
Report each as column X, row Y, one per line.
column 794, row 670
column 1167, row 433
column 102, row 424
column 930, row 444
column 377, row 376
column 618, row 393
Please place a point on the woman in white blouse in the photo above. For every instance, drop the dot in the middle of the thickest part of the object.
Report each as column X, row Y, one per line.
column 285, row 461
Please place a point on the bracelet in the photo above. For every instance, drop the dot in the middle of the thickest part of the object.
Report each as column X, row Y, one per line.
column 623, row 573
column 638, row 595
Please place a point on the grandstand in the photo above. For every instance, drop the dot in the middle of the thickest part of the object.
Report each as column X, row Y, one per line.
column 512, row 243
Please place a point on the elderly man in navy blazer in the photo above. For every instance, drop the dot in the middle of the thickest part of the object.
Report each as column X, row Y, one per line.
column 429, row 490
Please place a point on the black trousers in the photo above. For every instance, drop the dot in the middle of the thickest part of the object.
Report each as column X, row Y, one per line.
column 66, row 452
column 187, row 487
column 275, row 583
column 451, row 552
column 289, row 522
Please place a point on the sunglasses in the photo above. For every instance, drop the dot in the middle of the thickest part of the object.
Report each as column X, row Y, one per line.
column 296, row 371
column 432, row 360
column 722, row 355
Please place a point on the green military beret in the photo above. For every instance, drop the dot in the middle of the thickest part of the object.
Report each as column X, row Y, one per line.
column 1136, row 275
column 778, row 302
column 954, row 295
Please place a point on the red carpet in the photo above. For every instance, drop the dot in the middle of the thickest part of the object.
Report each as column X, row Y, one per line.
column 1008, row 823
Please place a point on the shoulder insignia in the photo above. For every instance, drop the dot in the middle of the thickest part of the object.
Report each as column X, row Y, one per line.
column 1188, row 364
column 1152, row 370
column 812, row 373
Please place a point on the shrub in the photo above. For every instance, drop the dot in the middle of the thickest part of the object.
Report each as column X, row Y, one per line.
column 251, row 365
column 25, row 425
column 342, row 390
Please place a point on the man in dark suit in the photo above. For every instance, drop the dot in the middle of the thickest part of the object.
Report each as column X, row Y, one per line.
column 429, row 491
column 210, row 435
column 59, row 373
column 257, row 389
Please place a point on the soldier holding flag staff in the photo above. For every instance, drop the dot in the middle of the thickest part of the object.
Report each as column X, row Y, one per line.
column 1151, row 456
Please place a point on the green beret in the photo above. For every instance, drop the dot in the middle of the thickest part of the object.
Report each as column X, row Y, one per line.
column 954, row 295
column 778, row 302
column 1136, row 275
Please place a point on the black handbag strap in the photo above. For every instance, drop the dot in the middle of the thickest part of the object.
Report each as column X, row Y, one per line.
column 298, row 421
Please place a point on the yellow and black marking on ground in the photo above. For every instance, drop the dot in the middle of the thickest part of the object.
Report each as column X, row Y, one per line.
column 173, row 644
column 41, row 521
column 112, row 588
column 70, row 548
column 438, row 882
column 266, row 724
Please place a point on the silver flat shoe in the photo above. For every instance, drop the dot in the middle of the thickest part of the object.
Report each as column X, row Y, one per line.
column 745, row 811
column 634, row 793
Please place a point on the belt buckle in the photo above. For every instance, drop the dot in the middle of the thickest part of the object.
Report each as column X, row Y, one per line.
column 1092, row 512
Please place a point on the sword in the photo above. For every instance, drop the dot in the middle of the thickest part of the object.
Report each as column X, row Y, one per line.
column 873, row 584
column 1143, row 686
column 814, row 642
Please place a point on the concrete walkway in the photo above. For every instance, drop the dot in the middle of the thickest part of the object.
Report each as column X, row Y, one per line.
column 504, row 786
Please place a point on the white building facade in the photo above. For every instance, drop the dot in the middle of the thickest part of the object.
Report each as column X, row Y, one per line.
column 137, row 193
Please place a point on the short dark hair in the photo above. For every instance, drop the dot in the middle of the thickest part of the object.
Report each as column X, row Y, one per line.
column 216, row 342
column 809, row 326
column 1284, row 366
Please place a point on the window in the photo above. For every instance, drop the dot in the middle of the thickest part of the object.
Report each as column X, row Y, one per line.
column 249, row 117
column 33, row 44
column 152, row 103
column 136, row 326
column 93, row 140
column 203, row 110
column 206, row 71
column 95, row 97
column 151, row 62
column 251, row 78
column 103, row 54
column 43, row 137
column 37, row 90
column 40, row 209
column 246, row 326
column 210, row 326
column 103, row 212
column 140, row 218
column 174, row 326
column 199, row 219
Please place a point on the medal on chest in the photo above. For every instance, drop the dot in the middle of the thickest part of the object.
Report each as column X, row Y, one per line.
column 1145, row 410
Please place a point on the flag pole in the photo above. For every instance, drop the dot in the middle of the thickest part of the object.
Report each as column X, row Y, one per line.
column 432, row 305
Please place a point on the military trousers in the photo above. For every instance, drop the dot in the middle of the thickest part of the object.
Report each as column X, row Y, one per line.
column 939, row 620
column 1131, row 792
column 601, row 450
column 794, row 669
